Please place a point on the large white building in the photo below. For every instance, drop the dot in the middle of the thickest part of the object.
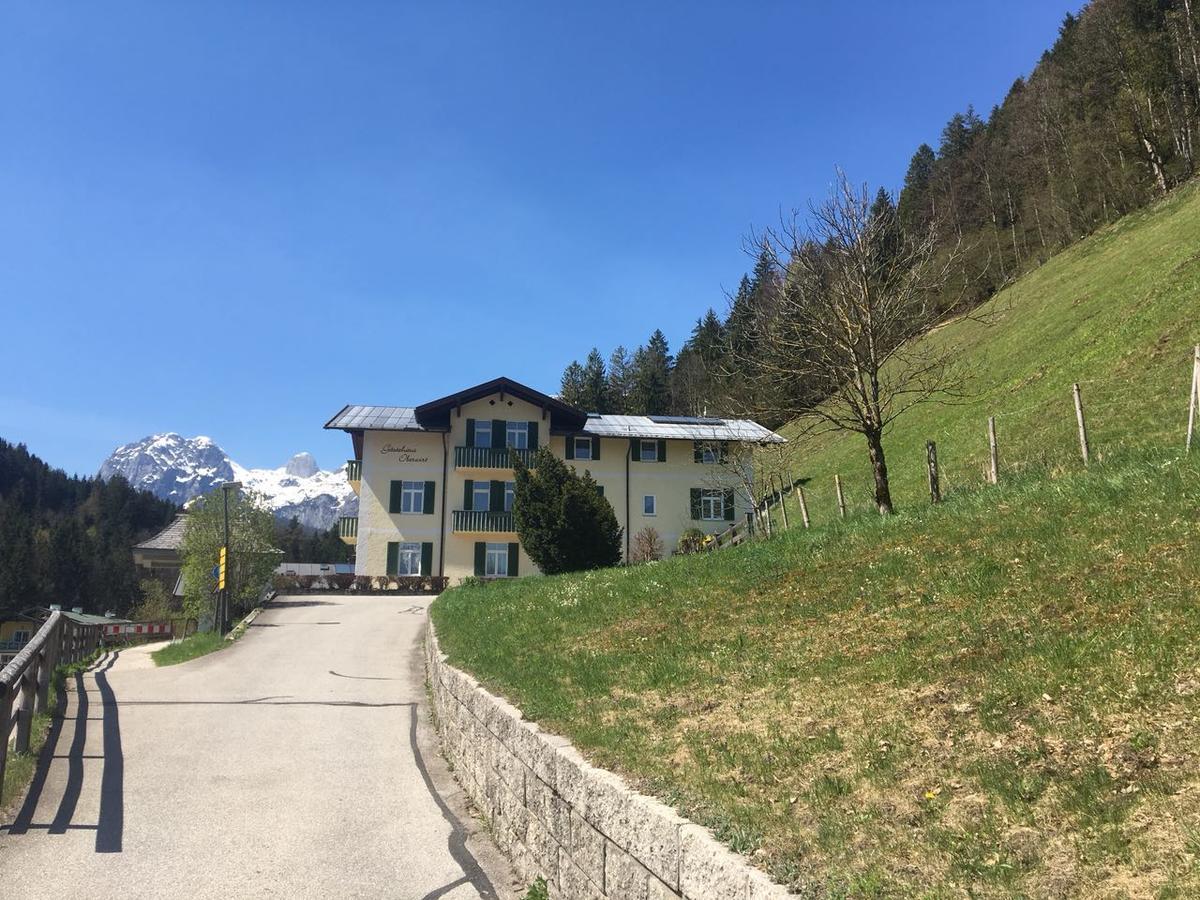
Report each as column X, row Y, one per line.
column 435, row 481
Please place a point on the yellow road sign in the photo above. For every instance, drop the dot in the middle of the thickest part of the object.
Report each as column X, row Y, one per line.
column 221, row 571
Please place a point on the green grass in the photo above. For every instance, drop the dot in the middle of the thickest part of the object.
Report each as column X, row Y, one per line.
column 999, row 695
column 198, row 644
column 537, row 891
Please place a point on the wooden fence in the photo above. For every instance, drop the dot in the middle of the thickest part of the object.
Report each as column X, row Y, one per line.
column 25, row 682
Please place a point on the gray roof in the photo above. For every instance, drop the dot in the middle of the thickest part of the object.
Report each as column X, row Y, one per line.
column 376, row 418
column 688, row 428
column 169, row 538
column 680, row 428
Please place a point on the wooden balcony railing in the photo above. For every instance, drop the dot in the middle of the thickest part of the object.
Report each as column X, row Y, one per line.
column 482, row 520
column 348, row 529
column 489, row 457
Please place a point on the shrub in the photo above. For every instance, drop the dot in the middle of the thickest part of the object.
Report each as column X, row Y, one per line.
column 691, row 541
column 563, row 520
column 342, row 581
column 647, row 546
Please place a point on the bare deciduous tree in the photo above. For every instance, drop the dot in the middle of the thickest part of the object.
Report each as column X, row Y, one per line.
column 854, row 293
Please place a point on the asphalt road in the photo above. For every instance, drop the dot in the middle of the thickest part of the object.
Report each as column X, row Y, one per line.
column 298, row 762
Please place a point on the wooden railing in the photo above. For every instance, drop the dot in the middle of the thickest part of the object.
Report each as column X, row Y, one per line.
column 490, row 457
column 25, row 682
column 354, row 470
column 468, row 520
column 348, row 529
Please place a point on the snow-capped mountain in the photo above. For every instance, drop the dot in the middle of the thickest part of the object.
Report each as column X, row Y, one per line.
column 179, row 468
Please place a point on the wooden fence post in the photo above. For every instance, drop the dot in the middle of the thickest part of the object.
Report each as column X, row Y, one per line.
column 766, row 514
column 749, row 524
column 803, row 506
column 1193, row 399
column 841, row 498
column 993, row 453
column 782, row 505
column 935, row 489
column 1083, row 439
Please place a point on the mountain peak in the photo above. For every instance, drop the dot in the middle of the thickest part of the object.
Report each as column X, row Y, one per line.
column 302, row 465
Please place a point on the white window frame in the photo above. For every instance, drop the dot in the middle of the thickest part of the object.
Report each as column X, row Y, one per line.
column 20, row 637
column 412, row 497
column 510, row 495
column 495, row 561
column 486, row 487
column 586, row 444
column 516, row 435
column 642, row 445
column 408, row 558
column 653, row 505
column 709, row 500
column 482, row 425
column 710, row 455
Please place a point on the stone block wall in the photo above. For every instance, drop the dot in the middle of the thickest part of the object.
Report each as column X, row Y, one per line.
column 578, row 827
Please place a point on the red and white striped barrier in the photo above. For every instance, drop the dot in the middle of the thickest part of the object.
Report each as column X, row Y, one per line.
column 137, row 629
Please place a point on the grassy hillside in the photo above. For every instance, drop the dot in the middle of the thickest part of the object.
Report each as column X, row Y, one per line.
column 997, row 696
column 1119, row 313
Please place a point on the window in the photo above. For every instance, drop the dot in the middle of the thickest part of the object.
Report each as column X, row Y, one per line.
column 709, row 455
column 20, row 637
column 510, row 493
column 481, row 495
column 648, row 451
column 583, row 447
column 412, row 497
column 712, row 505
column 495, row 561
column 408, row 560
column 518, row 435
column 649, row 505
column 483, row 433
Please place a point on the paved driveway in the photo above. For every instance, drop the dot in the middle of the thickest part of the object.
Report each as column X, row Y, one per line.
column 298, row 762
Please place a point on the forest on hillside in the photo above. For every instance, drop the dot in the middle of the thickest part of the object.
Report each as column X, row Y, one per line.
column 1107, row 122
column 68, row 540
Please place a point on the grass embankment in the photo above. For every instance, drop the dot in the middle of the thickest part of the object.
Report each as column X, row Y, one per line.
column 998, row 695
column 198, row 644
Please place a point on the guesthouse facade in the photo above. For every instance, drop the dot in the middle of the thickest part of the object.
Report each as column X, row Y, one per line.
column 435, row 481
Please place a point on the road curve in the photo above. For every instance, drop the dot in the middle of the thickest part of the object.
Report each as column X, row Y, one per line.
column 299, row 762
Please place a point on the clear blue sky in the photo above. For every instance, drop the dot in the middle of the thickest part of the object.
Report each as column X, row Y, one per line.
column 231, row 218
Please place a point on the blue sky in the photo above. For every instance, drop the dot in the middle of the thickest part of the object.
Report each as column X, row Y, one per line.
column 232, row 218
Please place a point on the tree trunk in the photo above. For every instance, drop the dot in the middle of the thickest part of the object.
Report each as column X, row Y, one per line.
column 883, row 492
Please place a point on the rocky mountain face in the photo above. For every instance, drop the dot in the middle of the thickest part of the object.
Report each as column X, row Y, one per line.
column 179, row 468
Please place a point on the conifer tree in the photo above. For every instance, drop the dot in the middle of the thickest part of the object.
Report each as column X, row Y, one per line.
column 573, row 391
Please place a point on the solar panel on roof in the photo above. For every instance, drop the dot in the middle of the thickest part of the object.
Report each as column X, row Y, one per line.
column 685, row 420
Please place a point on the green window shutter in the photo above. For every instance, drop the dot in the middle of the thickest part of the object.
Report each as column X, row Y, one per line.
column 570, row 446
column 662, row 451
column 697, row 452
column 533, row 436
column 429, row 492
column 724, row 454
column 514, row 559
column 468, row 493
column 480, row 557
column 470, row 432
column 427, row 558
column 393, row 557
column 394, row 494
column 729, row 505
column 635, row 449
column 595, row 448
column 496, row 503
column 600, row 489
column 695, row 503
column 499, row 433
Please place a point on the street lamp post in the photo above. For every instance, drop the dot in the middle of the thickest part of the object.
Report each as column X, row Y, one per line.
column 222, row 617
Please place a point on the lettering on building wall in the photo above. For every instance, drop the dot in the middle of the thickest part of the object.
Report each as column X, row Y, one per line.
column 404, row 454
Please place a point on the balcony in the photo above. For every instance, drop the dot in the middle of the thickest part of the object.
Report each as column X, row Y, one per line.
column 354, row 473
column 467, row 521
column 348, row 529
column 489, row 457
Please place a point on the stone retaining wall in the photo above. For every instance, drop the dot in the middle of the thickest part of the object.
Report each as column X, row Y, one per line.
column 579, row 827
